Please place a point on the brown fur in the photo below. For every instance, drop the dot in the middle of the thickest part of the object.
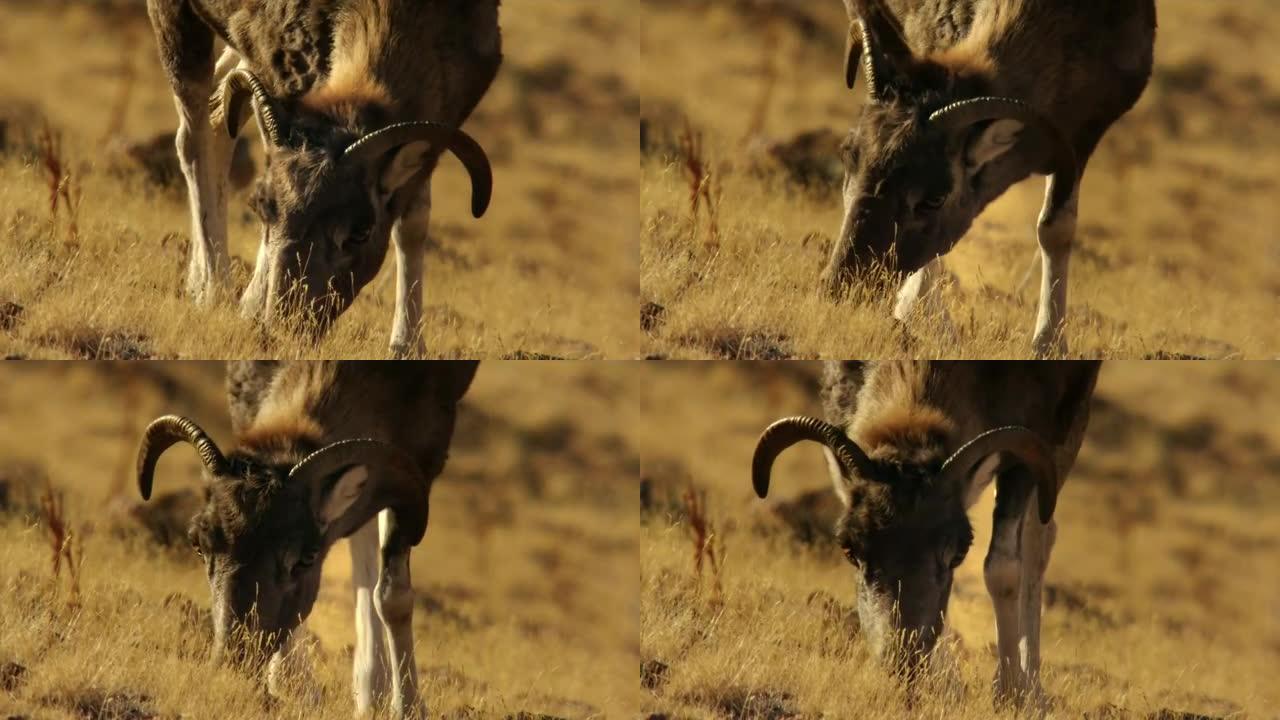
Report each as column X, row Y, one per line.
column 905, row 431
column 336, row 70
column 913, row 415
column 905, row 527
column 261, row 532
column 280, row 433
column 1082, row 65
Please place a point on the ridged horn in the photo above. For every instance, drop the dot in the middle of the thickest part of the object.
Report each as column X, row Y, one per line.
column 853, row 54
column 161, row 434
column 378, row 143
column 230, row 109
column 1023, row 444
column 787, row 432
column 882, row 46
column 962, row 115
column 395, row 482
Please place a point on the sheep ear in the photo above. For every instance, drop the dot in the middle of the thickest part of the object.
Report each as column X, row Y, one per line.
column 839, row 482
column 340, row 498
column 990, row 143
column 981, row 479
column 405, row 162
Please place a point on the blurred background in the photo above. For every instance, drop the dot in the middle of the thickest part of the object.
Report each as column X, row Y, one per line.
column 527, row 591
column 94, row 223
column 743, row 107
column 1160, row 594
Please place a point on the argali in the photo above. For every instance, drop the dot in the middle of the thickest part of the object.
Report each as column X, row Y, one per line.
column 323, row 451
column 964, row 99
column 910, row 446
column 355, row 101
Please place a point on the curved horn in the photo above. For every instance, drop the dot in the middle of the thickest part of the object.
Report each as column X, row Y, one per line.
column 162, row 433
column 962, row 115
column 853, row 54
column 787, row 432
column 239, row 87
column 395, row 483
column 1018, row 441
column 883, row 46
column 376, row 144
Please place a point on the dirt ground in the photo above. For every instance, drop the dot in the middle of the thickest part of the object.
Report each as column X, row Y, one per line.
column 542, row 274
column 1176, row 255
column 1159, row 593
column 527, row 590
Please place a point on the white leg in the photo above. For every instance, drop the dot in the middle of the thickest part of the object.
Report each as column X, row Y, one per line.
column 922, row 290
column 1035, row 264
column 277, row 666
column 370, row 670
column 1014, row 573
column 204, row 154
column 394, row 600
column 1055, row 235
column 410, row 238
column 1002, row 572
column 1037, row 544
column 254, row 300
column 287, row 666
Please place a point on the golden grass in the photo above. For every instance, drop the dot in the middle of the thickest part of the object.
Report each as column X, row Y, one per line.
column 551, row 269
column 1175, row 255
column 1157, row 598
column 527, row 583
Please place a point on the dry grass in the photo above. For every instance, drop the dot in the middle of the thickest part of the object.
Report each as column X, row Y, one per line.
column 526, row 581
column 1158, row 597
column 1176, row 253
column 551, row 269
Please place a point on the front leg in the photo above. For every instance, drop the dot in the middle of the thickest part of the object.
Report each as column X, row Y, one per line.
column 1055, row 233
column 410, row 238
column 1014, row 572
column 186, row 52
column 371, row 676
column 288, row 667
column 922, row 291
column 394, row 598
column 1002, row 571
column 253, row 303
column 1037, row 544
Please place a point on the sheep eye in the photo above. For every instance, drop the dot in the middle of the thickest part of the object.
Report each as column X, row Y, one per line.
column 307, row 559
column 849, row 554
column 263, row 206
column 933, row 202
column 357, row 237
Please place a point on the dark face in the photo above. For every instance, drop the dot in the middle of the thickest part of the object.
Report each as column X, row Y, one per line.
column 906, row 571
column 264, row 575
column 325, row 228
column 907, row 197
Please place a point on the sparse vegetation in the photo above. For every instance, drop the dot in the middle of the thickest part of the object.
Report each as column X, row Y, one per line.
column 1153, row 601
column 94, row 222
column 1175, row 255
column 527, row 591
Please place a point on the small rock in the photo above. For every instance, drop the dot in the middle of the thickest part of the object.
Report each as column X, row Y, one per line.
column 97, row 705
column 523, row 355
column 11, row 676
column 651, row 316
column 10, row 315
column 653, row 673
